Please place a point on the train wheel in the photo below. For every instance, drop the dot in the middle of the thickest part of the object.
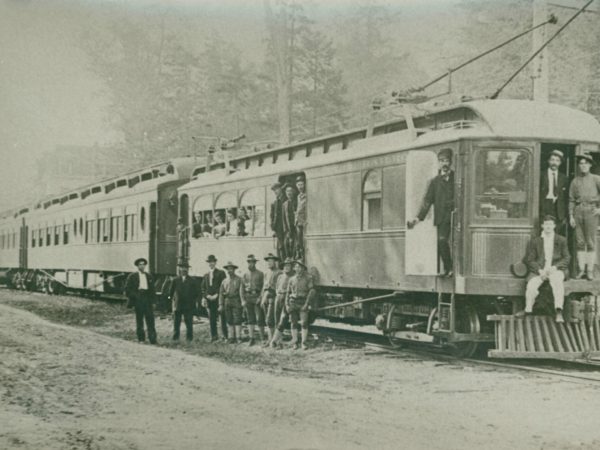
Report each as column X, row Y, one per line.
column 466, row 321
column 391, row 325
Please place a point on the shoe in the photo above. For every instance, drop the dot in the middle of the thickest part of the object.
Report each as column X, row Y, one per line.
column 175, row 338
column 559, row 317
column 296, row 346
column 250, row 342
column 304, row 346
column 520, row 314
column 231, row 341
column 214, row 339
column 589, row 276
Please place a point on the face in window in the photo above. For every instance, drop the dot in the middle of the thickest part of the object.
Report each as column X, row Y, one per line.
column 301, row 186
column 230, row 216
column 198, row 217
column 289, row 192
column 219, row 218
column 249, row 213
column 242, row 213
column 208, row 217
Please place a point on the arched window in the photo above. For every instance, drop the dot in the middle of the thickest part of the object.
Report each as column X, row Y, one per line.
column 253, row 209
column 202, row 217
column 372, row 217
column 225, row 215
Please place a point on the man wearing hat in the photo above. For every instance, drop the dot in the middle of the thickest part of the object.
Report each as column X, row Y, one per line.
column 548, row 260
column 277, row 218
column 253, row 280
column 299, row 298
column 184, row 294
column 269, row 293
column 584, row 198
column 230, row 302
column 440, row 194
column 553, row 190
column 211, row 285
column 289, row 220
column 280, row 313
column 139, row 289
column 300, row 216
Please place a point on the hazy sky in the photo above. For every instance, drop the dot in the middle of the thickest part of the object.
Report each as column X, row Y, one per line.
column 49, row 98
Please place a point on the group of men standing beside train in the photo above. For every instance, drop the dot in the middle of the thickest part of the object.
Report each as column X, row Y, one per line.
column 273, row 299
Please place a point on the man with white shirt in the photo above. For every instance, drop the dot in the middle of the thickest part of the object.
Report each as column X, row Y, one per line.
column 211, row 284
column 139, row 289
column 548, row 260
column 554, row 190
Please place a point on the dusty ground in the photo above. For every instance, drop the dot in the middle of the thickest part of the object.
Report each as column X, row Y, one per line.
column 71, row 377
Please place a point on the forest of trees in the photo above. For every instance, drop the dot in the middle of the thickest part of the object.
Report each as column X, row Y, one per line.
column 169, row 96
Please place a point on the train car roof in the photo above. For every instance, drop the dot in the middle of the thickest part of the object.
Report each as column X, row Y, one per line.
column 487, row 118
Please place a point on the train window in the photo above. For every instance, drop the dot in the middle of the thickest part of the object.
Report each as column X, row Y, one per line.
column 33, row 238
column 202, row 217
column 40, row 234
column 133, row 227
column 103, row 230
column 225, row 215
column 142, row 218
column 75, row 227
column 80, row 225
column 65, row 234
column 90, row 231
column 502, row 183
column 251, row 215
column 57, row 235
column 115, row 228
column 372, row 217
column 48, row 236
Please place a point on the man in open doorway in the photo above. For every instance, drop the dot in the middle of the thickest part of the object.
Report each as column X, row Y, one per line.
column 553, row 191
column 440, row 194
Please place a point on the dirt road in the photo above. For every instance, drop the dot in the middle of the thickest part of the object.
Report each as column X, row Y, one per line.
column 68, row 387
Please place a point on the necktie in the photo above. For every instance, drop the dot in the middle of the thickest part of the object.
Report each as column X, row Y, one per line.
column 210, row 277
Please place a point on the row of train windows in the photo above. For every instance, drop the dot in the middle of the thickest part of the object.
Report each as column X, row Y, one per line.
column 8, row 240
column 113, row 229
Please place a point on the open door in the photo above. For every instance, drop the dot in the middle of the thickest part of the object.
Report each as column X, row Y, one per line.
column 421, row 256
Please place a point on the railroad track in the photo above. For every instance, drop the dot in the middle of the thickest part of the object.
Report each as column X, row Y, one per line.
column 576, row 371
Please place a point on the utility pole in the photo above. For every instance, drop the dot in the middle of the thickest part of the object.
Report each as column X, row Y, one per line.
column 540, row 76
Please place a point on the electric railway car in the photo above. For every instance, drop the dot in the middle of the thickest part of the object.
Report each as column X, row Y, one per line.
column 86, row 239
column 362, row 188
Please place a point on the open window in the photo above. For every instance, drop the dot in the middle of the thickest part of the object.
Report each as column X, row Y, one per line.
column 202, row 217
column 252, row 211
column 225, row 215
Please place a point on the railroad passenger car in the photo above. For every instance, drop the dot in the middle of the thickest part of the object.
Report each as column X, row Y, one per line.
column 11, row 255
column 87, row 239
column 364, row 185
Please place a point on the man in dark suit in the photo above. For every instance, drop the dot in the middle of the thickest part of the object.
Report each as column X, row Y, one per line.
column 184, row 293
column 554, row 191
column 548, row 260
column 277, row 219
column 139, row 289
column 289, row 220
column 211, row 284
column 440, row 194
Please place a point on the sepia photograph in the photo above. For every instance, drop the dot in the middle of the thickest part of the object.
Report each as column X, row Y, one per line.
column 299, row 224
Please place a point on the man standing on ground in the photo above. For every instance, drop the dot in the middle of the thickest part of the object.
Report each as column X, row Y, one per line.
column 299, row 298
column 211, row 285
column 253, row 281
column 269, row 294
column 230, row 302
column 184, row 295
column 281, row 313
column 139, row 289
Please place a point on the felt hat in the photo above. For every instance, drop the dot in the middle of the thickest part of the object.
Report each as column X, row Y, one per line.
column 140, row 260
column 230, row 264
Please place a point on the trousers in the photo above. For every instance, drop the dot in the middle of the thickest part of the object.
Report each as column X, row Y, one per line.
column 557, row 283
column 300, row 242
column 188, row 318
column 586, row 223
column 280, row 236
column 213, row 317
column 443, row 243
column 144, row 312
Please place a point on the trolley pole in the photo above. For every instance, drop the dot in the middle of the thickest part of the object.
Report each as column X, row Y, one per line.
column 540, row 76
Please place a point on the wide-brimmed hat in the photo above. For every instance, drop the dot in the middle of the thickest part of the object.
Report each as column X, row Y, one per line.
column 585, row 156
column 298, row 261
column 183, row 264
column 230, row 264
column 251, row 258
column 558, row 153
column 211, row 258
column 300, row 178
column 140, row 260
column 445, row 153
column 275, row 185
column 271, row 256
column 289, row 261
